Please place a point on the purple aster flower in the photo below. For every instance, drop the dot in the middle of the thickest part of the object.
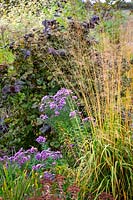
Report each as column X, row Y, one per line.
column 38, row 166
column 11, row 158
column 34, row 167
column 19, row 154
column 45, row 154
column 85, row 119
column 5, row 157
column 1, row 159
column 20, row 150
column 48, row 175
column 71, row 145
column 95, row 19
column 27, row 53
column 41, row 108
column 52, row 105
column 17, row 88
column 72, row 114
column 44, row 117
column 41, row 139
column 6, row 89
column 45, row 98
column 57, row 113
column 62, row 92
column 38, row 156
column 62, row 102
column 23, row 160
column 56, row 155
column 74, row 97
column 31, row 150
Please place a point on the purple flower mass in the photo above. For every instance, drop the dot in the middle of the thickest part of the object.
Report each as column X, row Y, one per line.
column 38, row 156
column 23, row 160
column 52, row 105
column 72, row 114
column 48, row 175
column 11, row 89
column 74, row 97
column 32, row 150
column 32, row 155
column 56, row 113
column 85, row 119
column 38, row 166
column 6, row 89
column 56, row 102
column 62, row 92
column 43, row 117
column 56, row 155
column 41, row 139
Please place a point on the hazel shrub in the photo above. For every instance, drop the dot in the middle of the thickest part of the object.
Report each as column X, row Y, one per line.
column 37, row 53
column 46, row 50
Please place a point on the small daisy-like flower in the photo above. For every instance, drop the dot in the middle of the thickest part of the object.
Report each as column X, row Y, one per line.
column 41, row 139
column 72, row 114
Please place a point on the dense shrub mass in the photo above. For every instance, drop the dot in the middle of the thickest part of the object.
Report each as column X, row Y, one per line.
column 38, row 56
column 32, row 74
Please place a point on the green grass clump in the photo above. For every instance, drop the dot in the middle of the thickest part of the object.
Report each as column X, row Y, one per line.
column 100, row 80
column 16, row 183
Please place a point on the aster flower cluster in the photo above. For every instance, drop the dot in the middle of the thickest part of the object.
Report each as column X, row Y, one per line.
column 61, row 112
column 19, row 158
column 57, row 103
column 41, row 159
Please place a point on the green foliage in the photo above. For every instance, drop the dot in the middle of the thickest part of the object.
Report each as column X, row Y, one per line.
column 107, row 167
column 6, row 56
column 63, row 9
column 113, row 27
column 34, row 66
column 27, row 173
column 16, row 183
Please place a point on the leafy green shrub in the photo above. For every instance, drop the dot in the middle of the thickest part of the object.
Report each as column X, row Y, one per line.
column 37, row 56
column 42, row 58
column 113, row 27
column 6, row 57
